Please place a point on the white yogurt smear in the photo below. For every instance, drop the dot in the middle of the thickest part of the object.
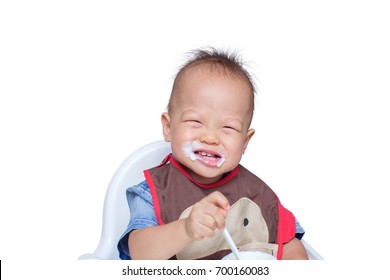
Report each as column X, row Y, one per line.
column 191, row 146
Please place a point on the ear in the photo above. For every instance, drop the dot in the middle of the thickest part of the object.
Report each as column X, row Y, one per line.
column 166, row 126
column 248, row 137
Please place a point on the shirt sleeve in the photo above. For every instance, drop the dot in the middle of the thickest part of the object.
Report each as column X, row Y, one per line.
column 299, row 231
column 142, row 215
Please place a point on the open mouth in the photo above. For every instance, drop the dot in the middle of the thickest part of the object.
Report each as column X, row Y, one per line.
column 208, row 158
column 207, row 155
column 195, row 151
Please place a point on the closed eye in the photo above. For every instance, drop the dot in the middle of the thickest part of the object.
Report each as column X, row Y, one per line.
column 230, row 128
column 194, row 123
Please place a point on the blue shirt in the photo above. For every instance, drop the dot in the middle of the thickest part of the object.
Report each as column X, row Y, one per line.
column 142, row 215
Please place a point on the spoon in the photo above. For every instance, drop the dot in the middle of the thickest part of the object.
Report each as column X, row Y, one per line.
column 231, row 244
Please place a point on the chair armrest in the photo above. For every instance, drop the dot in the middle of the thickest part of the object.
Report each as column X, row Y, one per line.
column 313, row 254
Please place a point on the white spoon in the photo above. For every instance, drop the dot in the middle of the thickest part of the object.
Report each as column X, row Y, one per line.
column 231, row 244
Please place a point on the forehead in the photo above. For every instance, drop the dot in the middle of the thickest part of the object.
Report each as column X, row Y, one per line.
column 216, row 87
column 196, row 75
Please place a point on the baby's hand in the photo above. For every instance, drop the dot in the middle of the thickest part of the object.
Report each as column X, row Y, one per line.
column 207, row 215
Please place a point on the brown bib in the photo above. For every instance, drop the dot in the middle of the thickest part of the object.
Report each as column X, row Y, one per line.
column 256, row 219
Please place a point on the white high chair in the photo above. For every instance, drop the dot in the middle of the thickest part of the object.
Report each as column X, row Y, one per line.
column 116, row 212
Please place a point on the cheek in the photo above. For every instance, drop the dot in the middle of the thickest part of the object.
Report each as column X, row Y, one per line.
column 236, row 150
column 178, row 144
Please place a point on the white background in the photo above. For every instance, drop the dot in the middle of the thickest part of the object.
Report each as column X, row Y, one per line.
column 83, row 84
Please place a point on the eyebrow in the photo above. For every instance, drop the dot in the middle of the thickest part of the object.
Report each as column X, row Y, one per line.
column 193, row 113
column 190, row 113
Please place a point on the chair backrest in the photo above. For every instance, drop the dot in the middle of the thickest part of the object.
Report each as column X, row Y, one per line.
column 116, row 211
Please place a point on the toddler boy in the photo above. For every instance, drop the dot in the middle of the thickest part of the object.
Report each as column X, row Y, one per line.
column 178, row 212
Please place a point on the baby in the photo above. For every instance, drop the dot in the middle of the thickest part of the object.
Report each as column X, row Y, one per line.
column 178, row 212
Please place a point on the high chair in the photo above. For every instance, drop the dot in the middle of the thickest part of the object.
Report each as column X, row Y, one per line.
column 116, row 211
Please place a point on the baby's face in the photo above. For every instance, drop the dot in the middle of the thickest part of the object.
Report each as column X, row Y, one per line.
column 208, row 124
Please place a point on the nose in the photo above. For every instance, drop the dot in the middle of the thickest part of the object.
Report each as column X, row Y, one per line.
column 209, row 137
